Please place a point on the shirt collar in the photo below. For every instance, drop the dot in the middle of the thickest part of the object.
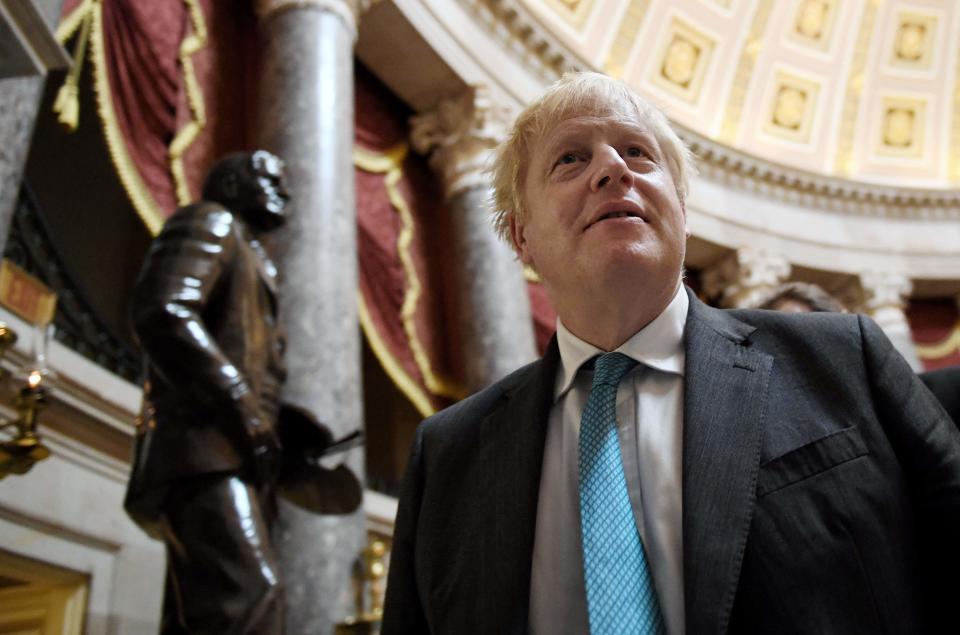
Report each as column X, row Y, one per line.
column 658, row 345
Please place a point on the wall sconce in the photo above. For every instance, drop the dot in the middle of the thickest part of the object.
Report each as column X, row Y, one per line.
column 23, row 448
column 370, row 593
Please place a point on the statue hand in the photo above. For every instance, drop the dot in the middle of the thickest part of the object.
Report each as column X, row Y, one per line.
column 265, row 447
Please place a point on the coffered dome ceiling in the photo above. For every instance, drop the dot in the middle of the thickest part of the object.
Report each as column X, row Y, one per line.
column 862, row 89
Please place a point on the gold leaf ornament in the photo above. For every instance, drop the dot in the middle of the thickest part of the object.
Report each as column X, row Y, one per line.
column 681, row 61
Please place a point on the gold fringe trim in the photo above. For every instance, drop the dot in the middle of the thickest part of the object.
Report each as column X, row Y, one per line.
column 391, row 164
column 192, row 129
column 143, row 202
column 70, row 23
column 403, row 381
column 946, row 346
column 67, row 104
column 140, row 196
column 90, row 13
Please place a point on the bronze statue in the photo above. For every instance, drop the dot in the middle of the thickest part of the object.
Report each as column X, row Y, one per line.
column 214, row 442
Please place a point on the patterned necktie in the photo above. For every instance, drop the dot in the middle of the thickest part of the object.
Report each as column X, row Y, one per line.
column 620, row 593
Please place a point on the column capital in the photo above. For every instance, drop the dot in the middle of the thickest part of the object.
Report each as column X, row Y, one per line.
column 460, row 135
column 743, row 277
column 884, row 296
column 347, row 10
column 884, row 290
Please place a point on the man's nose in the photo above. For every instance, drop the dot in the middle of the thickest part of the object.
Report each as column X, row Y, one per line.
column 610, row 168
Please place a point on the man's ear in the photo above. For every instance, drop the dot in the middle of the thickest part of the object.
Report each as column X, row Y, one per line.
column 518, row 236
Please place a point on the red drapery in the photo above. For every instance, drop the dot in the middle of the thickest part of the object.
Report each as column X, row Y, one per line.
column 175, row 82
column 174, row 90
column 407, row 308
column 935, row 325
column 408, row 290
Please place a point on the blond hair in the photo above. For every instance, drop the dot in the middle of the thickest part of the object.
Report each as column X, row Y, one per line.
column 574, row 95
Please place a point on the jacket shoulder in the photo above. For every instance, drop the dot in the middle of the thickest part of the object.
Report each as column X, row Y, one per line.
column 468, row 413
column 815, row 326
column 202, row 216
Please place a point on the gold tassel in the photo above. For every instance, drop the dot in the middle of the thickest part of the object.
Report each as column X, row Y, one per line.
column 67, row 103
column 67, row 106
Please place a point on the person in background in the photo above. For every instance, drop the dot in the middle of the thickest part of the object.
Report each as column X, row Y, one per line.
column 803, row 297
column 800, row 297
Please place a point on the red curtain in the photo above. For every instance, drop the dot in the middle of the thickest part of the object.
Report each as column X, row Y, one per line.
column 935, row 325
column 405, row 288
column 146, row 85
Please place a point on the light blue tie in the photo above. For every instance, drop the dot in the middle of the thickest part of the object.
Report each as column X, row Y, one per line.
column 620, row 594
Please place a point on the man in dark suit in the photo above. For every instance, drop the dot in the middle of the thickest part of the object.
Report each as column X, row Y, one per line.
column 207, row 455
column 780, row 473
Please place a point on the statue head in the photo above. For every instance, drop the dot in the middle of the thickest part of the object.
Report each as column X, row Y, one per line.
column 251, row 185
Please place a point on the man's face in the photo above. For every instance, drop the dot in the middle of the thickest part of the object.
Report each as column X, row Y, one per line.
column 792, row 305
column 272, row 193
column 601, row 204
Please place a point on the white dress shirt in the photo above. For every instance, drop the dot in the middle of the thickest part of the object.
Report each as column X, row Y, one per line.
column 650, row 428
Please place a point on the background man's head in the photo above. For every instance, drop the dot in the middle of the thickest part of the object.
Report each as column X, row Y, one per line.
column 801, row 297
column 250, row 184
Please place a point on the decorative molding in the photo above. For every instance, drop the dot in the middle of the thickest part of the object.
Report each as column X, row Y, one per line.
column 626, row 37
column 743, row 171
column 913, row 41
column 460, row 135
column 573, row 12
column 883, row 296
column 685, row 56
column 902, row 128
column 843, row 163
column 813, row 23
column 741, row 80
column 884, row 291
column 954, row 172
column 744, row 276
column 513, row 24
column 347, row 10
column 792, row 107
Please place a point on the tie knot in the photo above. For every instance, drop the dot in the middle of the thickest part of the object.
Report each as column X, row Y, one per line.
column 611, row 367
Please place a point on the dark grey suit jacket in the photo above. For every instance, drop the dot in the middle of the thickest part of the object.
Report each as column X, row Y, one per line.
column 821, row 488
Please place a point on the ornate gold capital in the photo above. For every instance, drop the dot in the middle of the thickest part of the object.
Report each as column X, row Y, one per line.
column 348, row 10
column 745, row 276
column 460, row 135
column 884, row 291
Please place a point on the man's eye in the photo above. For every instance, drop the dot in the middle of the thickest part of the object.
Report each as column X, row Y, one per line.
column 567, row 159
column 634, row 152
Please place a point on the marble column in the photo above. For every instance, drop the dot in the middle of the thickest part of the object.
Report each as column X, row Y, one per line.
column 884, row 297
column 306, row 117
column 744, row 277
column 19, row 101
column 496, row 328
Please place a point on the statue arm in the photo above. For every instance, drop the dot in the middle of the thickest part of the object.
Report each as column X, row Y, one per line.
column 180, row 278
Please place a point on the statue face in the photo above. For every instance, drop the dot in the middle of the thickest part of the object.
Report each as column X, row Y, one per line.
column 272, row 195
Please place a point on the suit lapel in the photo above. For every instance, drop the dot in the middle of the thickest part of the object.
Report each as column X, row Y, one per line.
column 513, row 438
column 725, row 398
